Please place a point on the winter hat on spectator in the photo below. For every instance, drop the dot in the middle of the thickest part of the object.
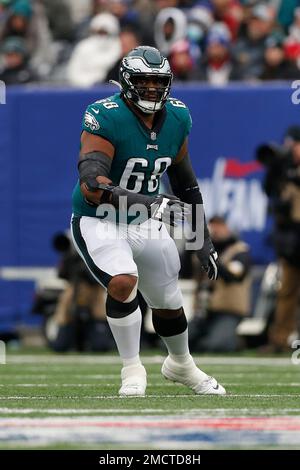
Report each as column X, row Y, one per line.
column 201, row 15
column 181, row 47
column 22, row 8
column 14, row 44
column 262, row 12
column 105, row 22
column 220, row 34
column 180, row 24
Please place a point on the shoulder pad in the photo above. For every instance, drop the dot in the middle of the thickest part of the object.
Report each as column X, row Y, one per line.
column 181, row 113
column 99, row 119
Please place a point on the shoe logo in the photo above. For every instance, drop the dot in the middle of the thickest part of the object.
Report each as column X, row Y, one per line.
column 96, row 111
column 216, row 387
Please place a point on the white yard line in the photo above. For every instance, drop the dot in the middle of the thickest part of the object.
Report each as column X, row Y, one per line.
column 209, row 412
column 157, row 359
column 82, row 377
column 66, row 411
column 150, row 384
column 79, row 376
column 38, row 385
column 116, row 397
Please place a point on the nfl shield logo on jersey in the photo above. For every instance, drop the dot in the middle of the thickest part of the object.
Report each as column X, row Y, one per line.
column 153, row 135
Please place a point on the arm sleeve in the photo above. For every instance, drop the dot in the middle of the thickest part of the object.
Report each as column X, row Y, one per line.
column 185, row 186
column 96, row 120
column 183, row 181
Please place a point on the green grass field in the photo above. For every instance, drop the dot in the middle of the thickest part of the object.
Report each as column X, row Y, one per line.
column 71, row 402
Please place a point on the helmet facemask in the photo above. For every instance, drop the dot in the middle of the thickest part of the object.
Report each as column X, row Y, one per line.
column 149, row 97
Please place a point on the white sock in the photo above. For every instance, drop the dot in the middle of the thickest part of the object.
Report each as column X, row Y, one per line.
column 126, row 332
column 133, row 361
column 178, row 347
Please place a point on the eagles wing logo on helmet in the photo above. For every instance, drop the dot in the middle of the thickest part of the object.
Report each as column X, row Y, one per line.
column 146, row 78
column 91, row 122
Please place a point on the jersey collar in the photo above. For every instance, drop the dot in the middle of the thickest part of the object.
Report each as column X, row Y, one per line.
column 159, row 119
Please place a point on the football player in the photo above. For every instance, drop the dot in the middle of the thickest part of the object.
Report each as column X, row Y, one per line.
column 128, row 141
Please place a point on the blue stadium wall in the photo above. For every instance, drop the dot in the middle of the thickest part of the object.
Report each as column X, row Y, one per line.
column 39, row 141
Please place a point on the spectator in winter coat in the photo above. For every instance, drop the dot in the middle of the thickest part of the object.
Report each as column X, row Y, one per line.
column 94, row 56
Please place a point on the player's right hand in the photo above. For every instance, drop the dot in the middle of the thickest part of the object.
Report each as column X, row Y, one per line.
column 168, row 209
column 208, row 258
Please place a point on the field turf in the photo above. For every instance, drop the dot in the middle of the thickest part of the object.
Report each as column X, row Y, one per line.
column 50, row 401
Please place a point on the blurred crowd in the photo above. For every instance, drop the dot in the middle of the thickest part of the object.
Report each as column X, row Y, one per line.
column 81, row 42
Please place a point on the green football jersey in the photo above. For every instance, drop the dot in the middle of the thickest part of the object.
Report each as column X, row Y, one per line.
column 142, row 155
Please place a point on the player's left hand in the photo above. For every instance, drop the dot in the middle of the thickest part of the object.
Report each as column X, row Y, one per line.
column 169, row 209
column 208, row 258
